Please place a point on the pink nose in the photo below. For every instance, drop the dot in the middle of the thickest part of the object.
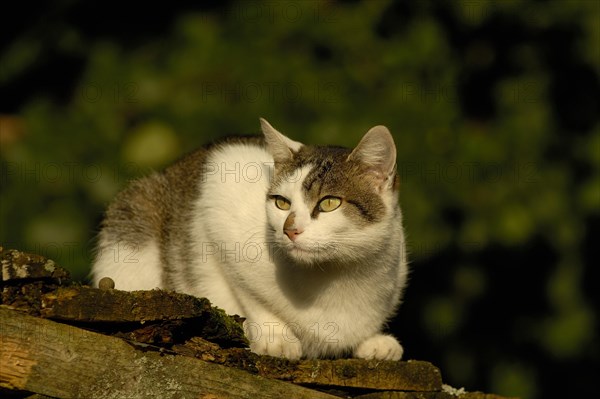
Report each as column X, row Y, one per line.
column 292, row 233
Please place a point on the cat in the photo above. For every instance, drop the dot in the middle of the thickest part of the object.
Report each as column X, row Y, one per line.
column 305, row 242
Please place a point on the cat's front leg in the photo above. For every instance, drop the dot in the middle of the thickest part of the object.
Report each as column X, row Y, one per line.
column 380, row 347
column 273, row 338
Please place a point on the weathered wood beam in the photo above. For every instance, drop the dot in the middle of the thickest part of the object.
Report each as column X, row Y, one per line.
column 80, row 303
column 429, row 395
column 63, row 361
column 373, row 374
column 342, row 373
column 21, row 266
column 93, row 305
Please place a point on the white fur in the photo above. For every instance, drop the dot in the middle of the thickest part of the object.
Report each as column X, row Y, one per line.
column 131, row 267
column 331, row 296
column 291, row 309
column 380, row 346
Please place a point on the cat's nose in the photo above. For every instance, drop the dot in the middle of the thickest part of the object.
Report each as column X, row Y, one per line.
column 292, row 233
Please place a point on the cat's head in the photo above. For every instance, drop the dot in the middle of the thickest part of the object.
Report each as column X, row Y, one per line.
column 333, row 204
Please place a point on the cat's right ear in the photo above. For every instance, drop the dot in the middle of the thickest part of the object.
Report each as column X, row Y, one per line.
column 280, row 147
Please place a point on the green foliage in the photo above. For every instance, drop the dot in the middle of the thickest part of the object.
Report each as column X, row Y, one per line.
column 323, row 73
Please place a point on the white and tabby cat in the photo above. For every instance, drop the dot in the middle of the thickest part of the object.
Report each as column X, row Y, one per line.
column 305, row 242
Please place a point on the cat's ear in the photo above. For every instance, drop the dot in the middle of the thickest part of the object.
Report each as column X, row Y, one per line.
column 280, row 147
column 378, row 151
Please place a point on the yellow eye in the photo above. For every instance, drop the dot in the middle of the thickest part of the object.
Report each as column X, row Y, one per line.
column 282, row 203
column 329, row 204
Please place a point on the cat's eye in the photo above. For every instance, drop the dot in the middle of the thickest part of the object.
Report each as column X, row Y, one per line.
column 282, row 202
column 329, row 204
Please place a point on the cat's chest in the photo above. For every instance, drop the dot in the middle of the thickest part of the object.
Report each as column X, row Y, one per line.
column 335, row 314
column 332, row 296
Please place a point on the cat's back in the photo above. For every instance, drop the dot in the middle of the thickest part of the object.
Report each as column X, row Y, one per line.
column 153, row 215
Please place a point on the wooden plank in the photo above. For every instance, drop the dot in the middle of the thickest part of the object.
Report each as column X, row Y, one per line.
column 429, row 395
column 58, row 360
column 345, row 373
column 80, row 303
column 93, row 305
column 16, row 265
column 357, row 373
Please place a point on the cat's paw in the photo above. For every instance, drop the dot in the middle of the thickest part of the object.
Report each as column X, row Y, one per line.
column 380, row 347
column 278, row 346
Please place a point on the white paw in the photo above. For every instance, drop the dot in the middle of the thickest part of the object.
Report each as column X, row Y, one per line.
column 279, row 346
column 380, row 347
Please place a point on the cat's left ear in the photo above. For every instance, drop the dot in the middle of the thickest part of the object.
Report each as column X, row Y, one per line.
column 280, row 147
column 378, row 151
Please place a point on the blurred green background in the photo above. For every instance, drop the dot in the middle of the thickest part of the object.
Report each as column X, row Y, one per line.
column 494, row 106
